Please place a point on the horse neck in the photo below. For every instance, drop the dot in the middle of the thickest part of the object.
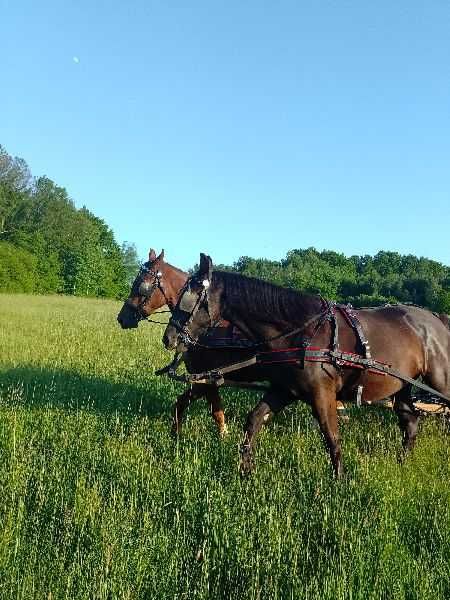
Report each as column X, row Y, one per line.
column 174, row 280
column 262, row 327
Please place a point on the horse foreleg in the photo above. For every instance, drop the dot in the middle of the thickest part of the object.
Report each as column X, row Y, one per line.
column 408, row 418
column 269, row 405
column 215, row 403
column 324, row 410
column 182, row 403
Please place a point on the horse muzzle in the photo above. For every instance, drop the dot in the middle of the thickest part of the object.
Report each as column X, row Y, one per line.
column 127, row 318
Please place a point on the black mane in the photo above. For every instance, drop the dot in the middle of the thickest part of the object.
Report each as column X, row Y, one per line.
column 266, row 300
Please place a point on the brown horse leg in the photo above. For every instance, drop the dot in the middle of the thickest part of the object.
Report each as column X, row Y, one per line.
column 408, row 418
column 324, row 410
column 271, row 404
column 216, row 407
column 182, row 403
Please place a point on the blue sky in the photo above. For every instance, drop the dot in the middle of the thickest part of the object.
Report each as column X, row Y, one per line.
column 238, row 128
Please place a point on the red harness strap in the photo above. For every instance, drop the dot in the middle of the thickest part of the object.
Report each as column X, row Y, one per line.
column 315, row 354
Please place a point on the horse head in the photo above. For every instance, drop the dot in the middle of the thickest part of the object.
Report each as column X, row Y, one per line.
column 157, row 284
column 197, row 309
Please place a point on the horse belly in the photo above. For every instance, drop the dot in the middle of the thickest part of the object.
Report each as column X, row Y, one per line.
column 374, row 387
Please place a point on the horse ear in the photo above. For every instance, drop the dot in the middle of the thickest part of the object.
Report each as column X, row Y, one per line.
column 151, row 255
column 206, row 266
column 161, row 256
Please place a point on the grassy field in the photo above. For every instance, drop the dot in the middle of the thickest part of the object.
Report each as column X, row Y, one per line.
column 98, row 501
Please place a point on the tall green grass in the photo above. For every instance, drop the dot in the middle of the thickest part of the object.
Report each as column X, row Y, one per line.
column 98, row 501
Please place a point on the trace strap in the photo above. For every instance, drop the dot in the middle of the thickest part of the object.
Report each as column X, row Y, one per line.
column 304, row 353
column 299, row 355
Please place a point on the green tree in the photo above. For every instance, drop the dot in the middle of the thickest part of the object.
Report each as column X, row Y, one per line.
column 17, row 269
column 130, row 261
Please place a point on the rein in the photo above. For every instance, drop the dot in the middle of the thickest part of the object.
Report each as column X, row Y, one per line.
column 159, row 312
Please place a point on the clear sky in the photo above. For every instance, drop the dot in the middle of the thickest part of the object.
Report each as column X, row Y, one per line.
column 238, row 127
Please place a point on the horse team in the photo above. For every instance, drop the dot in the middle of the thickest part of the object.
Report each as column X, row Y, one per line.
column 274, row 325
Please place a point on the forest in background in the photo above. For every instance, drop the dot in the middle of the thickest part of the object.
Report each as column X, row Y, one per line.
column 47, row 245
column 387, row 277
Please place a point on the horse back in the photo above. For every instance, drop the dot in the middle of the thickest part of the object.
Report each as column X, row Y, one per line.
column 402, row 334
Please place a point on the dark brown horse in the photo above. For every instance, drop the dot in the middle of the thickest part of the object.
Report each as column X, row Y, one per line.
column 158, row 283
column 411, row 340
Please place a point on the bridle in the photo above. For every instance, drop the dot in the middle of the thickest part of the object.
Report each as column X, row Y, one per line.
column 146, row 290
column 189, row 303
column 182, row 323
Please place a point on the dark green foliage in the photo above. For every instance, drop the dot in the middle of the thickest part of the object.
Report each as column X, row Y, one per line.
column 18, row 269
column 360, row 280
column 130, row 261
column 73, row 251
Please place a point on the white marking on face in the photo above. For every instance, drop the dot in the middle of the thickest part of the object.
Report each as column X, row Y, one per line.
column 205, row 284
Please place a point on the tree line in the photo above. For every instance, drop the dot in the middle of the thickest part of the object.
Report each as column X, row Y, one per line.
column 47, row 245
column 387, row 277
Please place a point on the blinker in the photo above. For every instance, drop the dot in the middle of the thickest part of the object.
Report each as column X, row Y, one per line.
column 188, row 301
column 145, row 289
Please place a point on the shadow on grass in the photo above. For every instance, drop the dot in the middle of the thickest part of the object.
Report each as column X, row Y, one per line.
column 71, row 390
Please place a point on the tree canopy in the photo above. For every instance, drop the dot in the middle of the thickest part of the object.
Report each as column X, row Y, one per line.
column 47, row 245
column 360, row 280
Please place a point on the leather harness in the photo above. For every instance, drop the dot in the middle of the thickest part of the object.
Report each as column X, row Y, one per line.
column 299, row 354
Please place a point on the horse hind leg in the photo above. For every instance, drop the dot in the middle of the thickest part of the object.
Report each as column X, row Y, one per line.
column 182, row 403
column 408, row 417
column 438, row 376
column 271, row 404
column 325, row 411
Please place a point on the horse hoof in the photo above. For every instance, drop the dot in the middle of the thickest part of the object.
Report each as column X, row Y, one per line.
column 245, row 473
column 223, row 432
column 246, row 468
column 175, row 432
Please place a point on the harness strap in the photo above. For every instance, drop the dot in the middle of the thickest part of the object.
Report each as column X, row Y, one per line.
column 335, row 356
column 350, row 316
column 318, row 318
column 388, row 370
column 335, row 344
column 215, row 376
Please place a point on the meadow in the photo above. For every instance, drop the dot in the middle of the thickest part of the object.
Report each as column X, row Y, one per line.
column 97, row 500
